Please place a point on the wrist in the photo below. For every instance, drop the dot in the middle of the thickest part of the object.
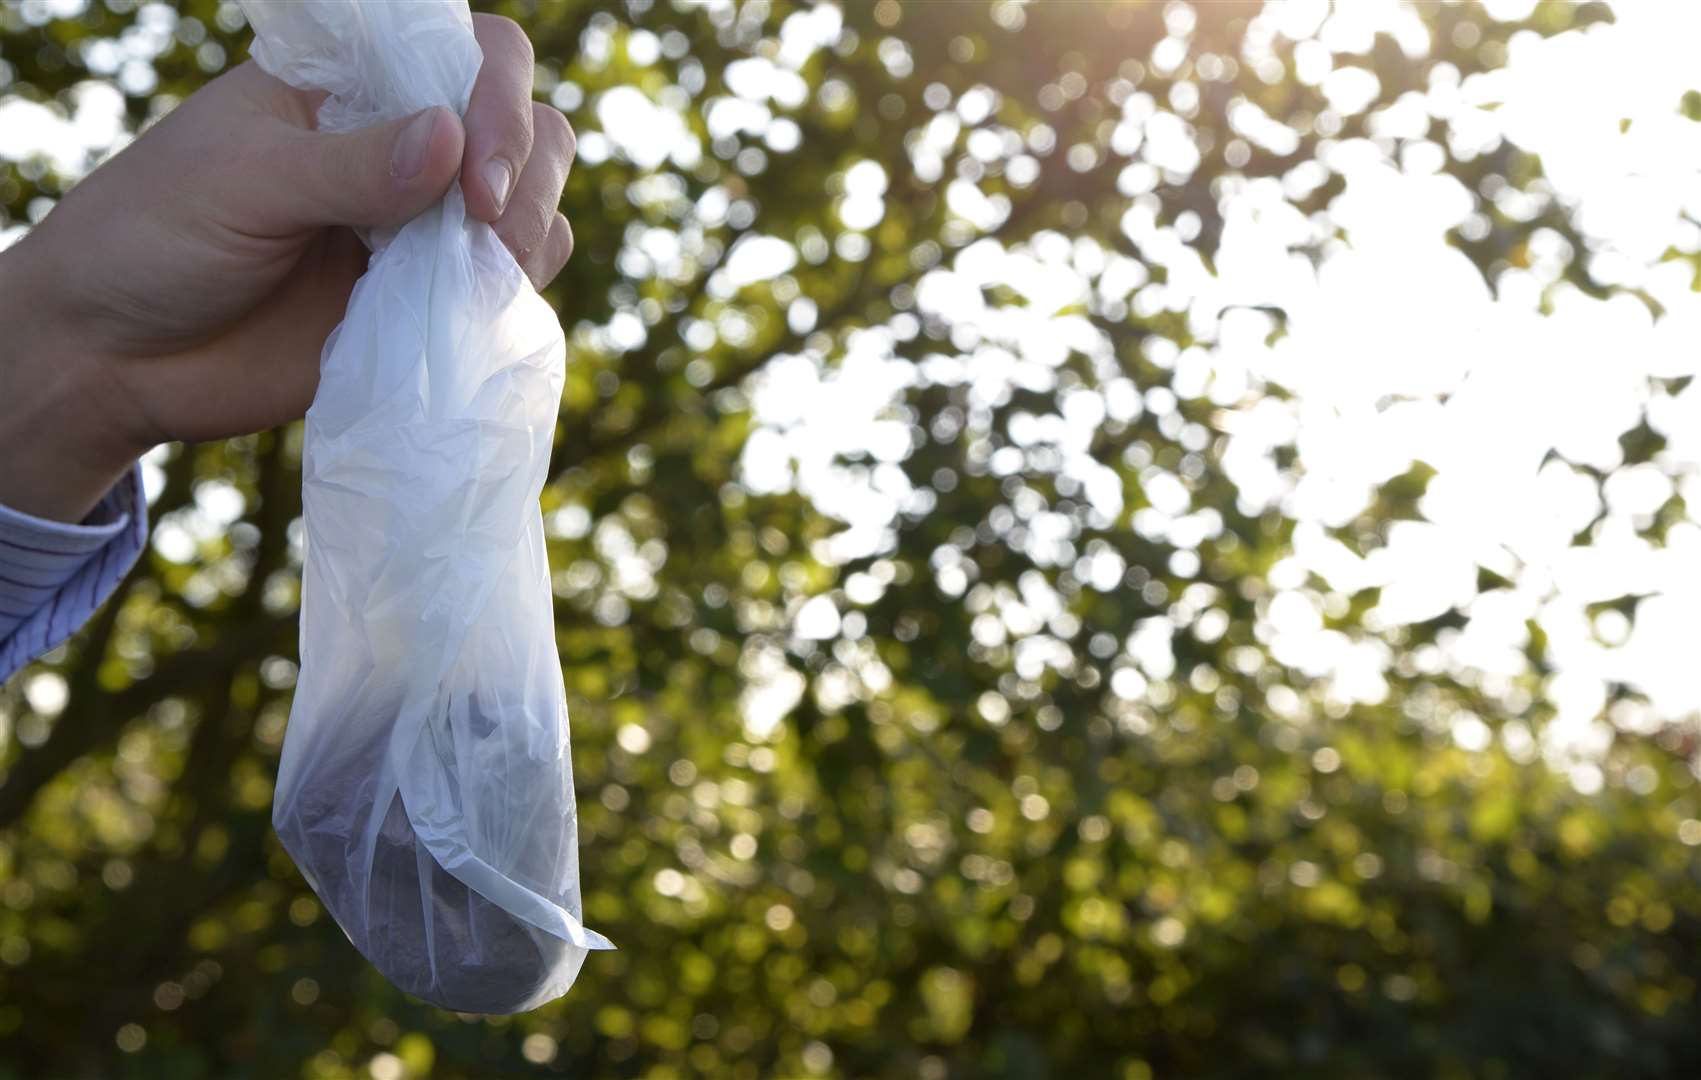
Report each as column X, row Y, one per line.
column 61, row 449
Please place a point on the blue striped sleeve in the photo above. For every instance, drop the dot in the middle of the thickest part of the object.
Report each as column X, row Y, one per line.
column 53, row 576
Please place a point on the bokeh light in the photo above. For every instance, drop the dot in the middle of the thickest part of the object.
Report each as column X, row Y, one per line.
column 1136, row 538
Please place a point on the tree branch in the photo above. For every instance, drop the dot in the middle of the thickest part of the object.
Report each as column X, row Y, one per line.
column 97, row 725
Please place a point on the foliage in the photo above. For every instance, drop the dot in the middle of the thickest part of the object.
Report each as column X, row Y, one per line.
column 1046, row 802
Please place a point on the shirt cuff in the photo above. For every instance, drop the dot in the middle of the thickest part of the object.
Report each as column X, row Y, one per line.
column 54, row 575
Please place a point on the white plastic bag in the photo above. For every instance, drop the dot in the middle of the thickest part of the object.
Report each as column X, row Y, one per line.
column 426, row 786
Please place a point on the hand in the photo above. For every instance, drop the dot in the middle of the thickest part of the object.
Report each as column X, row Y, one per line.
column 185, row 288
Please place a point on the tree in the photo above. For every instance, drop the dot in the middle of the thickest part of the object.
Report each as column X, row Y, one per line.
column 962, row 751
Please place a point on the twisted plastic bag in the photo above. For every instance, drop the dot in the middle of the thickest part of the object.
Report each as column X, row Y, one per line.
column 426, row 786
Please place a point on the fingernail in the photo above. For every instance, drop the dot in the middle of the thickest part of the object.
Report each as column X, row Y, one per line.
column 408, row 157
column 497, row 177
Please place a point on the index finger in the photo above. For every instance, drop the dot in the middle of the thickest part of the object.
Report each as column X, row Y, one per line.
column 499, row 117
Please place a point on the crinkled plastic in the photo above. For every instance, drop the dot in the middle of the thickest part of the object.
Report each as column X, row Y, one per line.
column 426, row 786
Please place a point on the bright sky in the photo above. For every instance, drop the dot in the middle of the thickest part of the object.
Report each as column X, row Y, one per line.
column 1398, row 314
column 1392, row 322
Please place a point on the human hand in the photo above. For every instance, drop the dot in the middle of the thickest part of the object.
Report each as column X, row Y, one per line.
column 184, row 289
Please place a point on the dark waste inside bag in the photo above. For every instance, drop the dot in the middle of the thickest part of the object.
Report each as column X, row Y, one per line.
column 474, row 957
column 426, row 785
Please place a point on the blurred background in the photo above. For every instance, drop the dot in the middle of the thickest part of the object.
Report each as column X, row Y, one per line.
column 1094, row 539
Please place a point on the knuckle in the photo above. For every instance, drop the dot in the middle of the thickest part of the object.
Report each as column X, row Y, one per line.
column 525, row 233
column 548, row 261
column 523, row 45
column 551, row 129
column 509, row 235
column 505, row 34
column 533, row 264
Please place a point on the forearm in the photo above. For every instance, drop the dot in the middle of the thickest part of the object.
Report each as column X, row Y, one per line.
column 61, row 448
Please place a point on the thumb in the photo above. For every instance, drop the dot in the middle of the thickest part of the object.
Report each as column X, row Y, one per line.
column 381, row 175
